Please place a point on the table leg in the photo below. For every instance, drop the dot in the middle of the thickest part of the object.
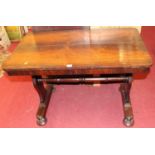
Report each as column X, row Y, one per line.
column 44, row 94
column 128, row 113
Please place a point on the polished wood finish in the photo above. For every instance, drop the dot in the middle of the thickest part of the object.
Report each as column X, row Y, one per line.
column 125, row 92
column 84, row 80
column 80, row 52
column 45, row 95
column 37, row 29
column 80, row 57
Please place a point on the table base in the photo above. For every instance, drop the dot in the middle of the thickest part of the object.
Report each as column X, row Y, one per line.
column 45, row 92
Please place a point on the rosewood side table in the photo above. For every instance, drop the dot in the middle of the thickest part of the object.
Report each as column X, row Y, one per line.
column 80, row 56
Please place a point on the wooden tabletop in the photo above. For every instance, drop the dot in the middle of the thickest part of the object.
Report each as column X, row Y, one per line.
column 79, row 52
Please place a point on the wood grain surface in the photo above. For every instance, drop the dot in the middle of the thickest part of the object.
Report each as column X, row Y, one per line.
column 102, row 51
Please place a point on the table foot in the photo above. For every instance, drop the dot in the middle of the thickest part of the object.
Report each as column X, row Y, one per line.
column 41, row 120
column 128, row 121
column 127, row 107
column 45, row 95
